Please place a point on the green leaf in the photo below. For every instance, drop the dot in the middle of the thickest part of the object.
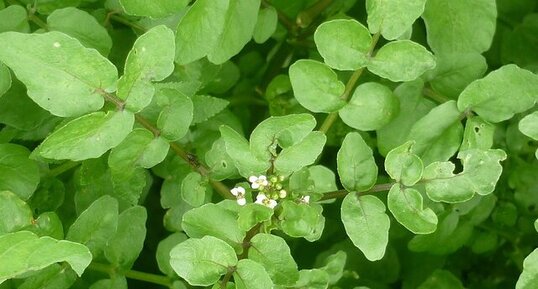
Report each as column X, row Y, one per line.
column 334, row 266
column 14, row 18
column 201, row 262
column 54, row 276
column 175, row 118
column 478, row 134
column 82, row 26
column 313, row 180
column 454, row 71
column 464, row 16
column 27, row 252
column 95, row 225
column 251, row 275
column 366, row 224
column 125, row 245
column 403, row 165
column 18, row 173
column 412, row 107
column 88, row 136
column 15, row 214
column 206, row 106
column 527, row 279
column 48, row 6
column 236, row 32
column 139, row 148
column 150, row 59
column 153, row 9
column 220, row 164
column 302, row 220
column 228, row 26
column 213, row 220
column 316, row 86
column 312, row 279
column 481, row 171
column 371, row 107
column 407, row 207
column 437, row 135
column 193, row 189
column 301, row 154
column 252, row 214
column 529, row 125
column 76, row 75
column 47, row 224
column 265, row 25
column 163, row 252
column 393, row 18
column 441, row 279
column 274, row 254
column 356, row 164
column 239, row 150
column 115, row 282
column 501, row 94
column 284, row 131
column 343, row 43
column 401, row 60
column 5, row 79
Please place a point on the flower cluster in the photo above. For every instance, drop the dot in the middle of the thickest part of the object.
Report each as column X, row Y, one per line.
column 269, row 191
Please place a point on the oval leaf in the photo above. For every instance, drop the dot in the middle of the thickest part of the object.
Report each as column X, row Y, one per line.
column 18, row 173
column 401, row 60
column 343, row 43
column 316, row 86
column 366, row 224
column 394, row 17
column 251, row 275
column 76, row 75
column 356, row 164
column 407, row 207
column 403, row 165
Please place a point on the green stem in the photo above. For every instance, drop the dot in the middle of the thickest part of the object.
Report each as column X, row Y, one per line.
column 305, row 18
column 126, row 22
column 38, row 21
column 246, row 246
column 58, row 170
column 132, row 274
column 343, row 193
column 435, row 96
column 191, row 159
column 350, row 85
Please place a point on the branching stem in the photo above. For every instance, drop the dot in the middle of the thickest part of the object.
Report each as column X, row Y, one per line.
column 132, row 274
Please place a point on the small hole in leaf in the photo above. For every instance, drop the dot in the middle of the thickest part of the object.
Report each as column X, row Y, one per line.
column 224, row 164
column 476, row 129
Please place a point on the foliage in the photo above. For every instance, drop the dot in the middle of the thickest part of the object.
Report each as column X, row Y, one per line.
column 268, row 144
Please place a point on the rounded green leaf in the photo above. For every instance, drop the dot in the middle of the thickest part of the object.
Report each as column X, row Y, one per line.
column 401, row 60
column 478, row 134
column 266, row 24
column 150, row 59
column 316, row 86
column 251, row 275
column 252, row 214
column 302, row 220
column 481, row 171
column 14, row 213
column 213, row 220
column 464, row 16
column 221, row 165
column 403, row 165
column 274, row 254
column 14, row 18
column 175, row 118
column 201, row 262
column 154, row 8
column 193, row 189
column 394, row 17
column 48, row 224
column 529, row 125
column 501, row 94
column 27, row 252
column 18, row 173
column 82, row 26
column 125, row 245
column 441, row 279
column 163, row 252
column 95, row 225
column 5, row 79
column 371, row 107
column 356, row 164
column 366, row 224
column 206, row 106
column 527, row 279
column 76, row 76
column 88, row 136
column 343, row 43
column 301, row 154
column 407, row 207
column 239, row 150
column 284, row 131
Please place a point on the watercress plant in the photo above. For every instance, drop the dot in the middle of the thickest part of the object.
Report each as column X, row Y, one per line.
column 268, row 144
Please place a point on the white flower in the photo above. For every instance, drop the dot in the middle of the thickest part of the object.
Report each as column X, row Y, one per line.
column 282, row 194
column 258, row 182
column 305, row 199
column 239, row 193
column 264, row 200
